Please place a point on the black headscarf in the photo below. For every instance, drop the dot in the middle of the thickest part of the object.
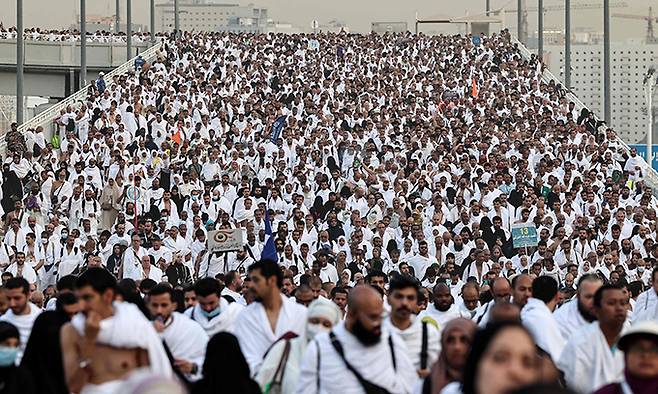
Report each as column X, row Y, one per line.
column 225, row 369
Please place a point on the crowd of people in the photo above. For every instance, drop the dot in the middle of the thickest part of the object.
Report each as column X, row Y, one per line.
column 378, row 183
column 72, row 35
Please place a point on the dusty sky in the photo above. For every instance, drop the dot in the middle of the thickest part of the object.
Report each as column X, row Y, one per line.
column 357, row 14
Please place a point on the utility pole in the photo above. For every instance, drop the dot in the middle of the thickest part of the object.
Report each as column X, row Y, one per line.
column 488, row 7
column 83, row 43
column 176, row 19
column 567, row 44
column 606, row 61
column 649, row 83
column 117, row 19
column 540, row 29
column 20, row 59
column 129, row 30
column 519, row 20
column 153, row 21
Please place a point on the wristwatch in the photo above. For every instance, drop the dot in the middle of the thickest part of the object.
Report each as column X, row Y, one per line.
column 84, row 363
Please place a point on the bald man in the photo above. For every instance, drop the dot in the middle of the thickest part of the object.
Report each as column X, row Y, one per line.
column 521, row 289
column 359, row 346
column 469, row 300
column 442, row 309
column 501, row 291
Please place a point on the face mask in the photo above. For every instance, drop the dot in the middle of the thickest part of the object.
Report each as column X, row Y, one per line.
column 314, row 329
column 211, row 314
column 7, row 355
column 640, row 269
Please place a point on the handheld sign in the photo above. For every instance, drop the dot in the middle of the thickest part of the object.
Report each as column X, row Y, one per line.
column 476, row 40
column 225, row 240
column 524, row 235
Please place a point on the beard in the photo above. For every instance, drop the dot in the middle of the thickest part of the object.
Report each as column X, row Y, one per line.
column 367, row 338
column 587, row 315
column 442, row 308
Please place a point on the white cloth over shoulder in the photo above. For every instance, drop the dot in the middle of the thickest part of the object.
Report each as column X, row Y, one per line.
column 127, row 328
column 442, row 318
column 186, row 341
column 24, row 325
column 646, row 307
column 253, row 330
column 589, row 363
column 539, row 320
column 569, row 319
column 374, row 363
column 413, row 339
column 225, row 321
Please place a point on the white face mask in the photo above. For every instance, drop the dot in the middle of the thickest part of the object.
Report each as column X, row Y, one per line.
column 313, row 329
column 640, row 269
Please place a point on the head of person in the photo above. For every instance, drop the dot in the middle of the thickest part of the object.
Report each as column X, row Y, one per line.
column 505, row 312
column 456, row 339
column 68, row 304
column 9, row 341
column 339, row 297
column 376, row 278
column 587, row 286
column 315, row 284
column 225, row 368
column 161, row 302
column 545, row 289
column 640, row 347
column 190, row 297
column 403, row 297
column 266, row 279
column 304, row 295
column 502, row 358
column 96, row 288
column 18, row 293
column 521, row 289
column 611, row 305
column 321, row 316
column 364, row 314
column 501, row 290
column 209, row 296
column 442, row 297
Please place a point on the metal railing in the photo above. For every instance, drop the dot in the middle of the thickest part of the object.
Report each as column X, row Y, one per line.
column 650, row 174
column 47, row 116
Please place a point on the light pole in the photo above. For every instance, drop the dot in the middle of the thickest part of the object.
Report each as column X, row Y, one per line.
column 488, row 5
column 649, row 83
column 567, row 44
column 152, row 21
column 540, row 29
column 606, row 61
column 176, row 19
column 129, row 30
column 83, row 44
column 519, row 20
column 20, row 59
column 117, row 19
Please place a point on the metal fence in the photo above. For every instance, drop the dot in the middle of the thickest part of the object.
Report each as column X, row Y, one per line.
column 650, row 175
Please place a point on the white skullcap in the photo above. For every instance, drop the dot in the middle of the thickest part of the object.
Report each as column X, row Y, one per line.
column 324, row 308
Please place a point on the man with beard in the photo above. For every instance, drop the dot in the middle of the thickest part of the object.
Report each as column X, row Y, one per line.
column 443, row 309
column 591, row 359
column 421, row 338
column 357, row 353
column 577, row 313
column 521, row 289
column 185, row 339
column 232, row 291
column 267, row 319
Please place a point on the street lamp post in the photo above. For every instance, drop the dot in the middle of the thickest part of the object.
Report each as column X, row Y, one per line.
column 649, row 83
column 20, row 59
column 83, row 43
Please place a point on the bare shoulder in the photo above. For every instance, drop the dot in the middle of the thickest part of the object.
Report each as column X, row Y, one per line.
column 68, row 334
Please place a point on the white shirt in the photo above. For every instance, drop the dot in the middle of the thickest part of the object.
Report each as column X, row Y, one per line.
column 442, row 318
column 374, row 363
column 24, row 325
column 225, row 321
column 254, row 332
column 412, row 336
column 539, row 320
column 589, row 363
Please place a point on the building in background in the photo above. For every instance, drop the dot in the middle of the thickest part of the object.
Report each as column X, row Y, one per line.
column 389, row 27
column 199, row 15
column 629, row 64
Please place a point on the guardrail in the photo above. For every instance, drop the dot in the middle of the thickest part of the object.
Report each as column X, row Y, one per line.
column 46, row 117
column 650, row 175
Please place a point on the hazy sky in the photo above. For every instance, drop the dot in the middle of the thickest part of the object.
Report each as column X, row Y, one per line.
column 358, row 14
